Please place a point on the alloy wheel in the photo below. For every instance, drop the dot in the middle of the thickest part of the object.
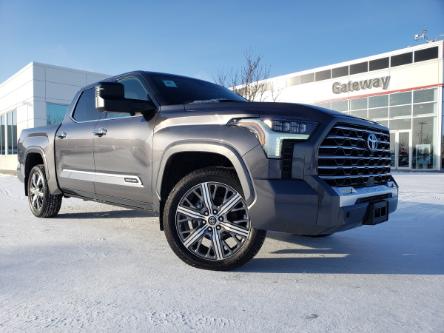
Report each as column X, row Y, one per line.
column 212, row 221
column 36, row 191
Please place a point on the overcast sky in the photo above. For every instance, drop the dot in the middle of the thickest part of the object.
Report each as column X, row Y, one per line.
column 202, row 38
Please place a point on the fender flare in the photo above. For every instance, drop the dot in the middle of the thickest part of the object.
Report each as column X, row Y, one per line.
column 227, row 151
column 50, row 176
column 33, row 150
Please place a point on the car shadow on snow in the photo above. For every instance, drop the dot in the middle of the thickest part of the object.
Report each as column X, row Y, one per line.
column 407, row 244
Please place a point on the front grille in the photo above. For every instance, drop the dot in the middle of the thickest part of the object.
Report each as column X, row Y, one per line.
column 345, row 159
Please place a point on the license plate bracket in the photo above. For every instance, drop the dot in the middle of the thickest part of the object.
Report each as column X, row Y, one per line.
column 377, row 212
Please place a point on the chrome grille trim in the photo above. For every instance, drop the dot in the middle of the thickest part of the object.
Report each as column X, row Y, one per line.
column 354, row 157
column 346, row 147
column 344, row 158
column 344, row 137
column 351, row 177
column 352, row 167
column 361, row 130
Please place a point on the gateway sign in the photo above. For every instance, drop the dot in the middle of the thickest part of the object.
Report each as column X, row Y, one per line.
column 380, row 82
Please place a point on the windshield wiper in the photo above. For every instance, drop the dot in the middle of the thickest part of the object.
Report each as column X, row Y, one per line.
column 217, row 100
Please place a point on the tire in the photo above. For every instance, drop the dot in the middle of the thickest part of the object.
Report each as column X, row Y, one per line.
column 41, row 202
column 221, row 240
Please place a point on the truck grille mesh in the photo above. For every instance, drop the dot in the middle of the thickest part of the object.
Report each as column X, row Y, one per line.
column 345, row 158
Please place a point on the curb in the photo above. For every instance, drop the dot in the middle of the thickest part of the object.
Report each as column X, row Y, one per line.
column 8, row 172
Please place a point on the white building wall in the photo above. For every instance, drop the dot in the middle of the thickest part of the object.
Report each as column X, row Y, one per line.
column 36, row 84
column 54, row 84
column 401, row 77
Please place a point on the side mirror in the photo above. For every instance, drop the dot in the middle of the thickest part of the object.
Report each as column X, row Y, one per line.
column 110, row 90
column 110, row 97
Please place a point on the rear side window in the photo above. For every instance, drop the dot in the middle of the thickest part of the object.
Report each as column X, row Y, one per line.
column 86, row 109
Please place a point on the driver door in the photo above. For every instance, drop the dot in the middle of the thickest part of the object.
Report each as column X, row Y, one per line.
column 74, row 147
column 123, row 153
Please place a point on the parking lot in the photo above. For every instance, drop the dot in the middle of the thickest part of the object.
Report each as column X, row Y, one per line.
column 101, row 268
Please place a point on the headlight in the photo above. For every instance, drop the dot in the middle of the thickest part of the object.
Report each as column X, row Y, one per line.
column 271, row 132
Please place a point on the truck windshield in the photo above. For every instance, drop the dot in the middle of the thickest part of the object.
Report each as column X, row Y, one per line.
column 173, row 90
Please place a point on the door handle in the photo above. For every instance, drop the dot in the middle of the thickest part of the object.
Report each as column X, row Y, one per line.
column 61, row 135
column 100, row 132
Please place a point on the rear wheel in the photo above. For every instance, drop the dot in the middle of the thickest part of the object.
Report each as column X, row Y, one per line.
column 207, row 223
column 41, row 202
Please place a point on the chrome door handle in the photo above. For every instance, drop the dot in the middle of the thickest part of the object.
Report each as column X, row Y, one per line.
column 61, row 135
column 100, row 132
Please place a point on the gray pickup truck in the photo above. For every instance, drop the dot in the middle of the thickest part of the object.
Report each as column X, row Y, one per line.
column 218, row 170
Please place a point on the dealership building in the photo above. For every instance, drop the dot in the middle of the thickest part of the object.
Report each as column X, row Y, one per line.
column 37, row 95
column 401, row 89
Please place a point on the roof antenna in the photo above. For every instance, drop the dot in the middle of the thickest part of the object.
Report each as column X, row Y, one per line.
column 422, row 36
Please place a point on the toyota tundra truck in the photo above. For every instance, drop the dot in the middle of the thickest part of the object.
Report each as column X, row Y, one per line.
column 218, row 170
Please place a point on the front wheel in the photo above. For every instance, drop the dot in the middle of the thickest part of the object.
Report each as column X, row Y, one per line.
column 41, row 202
column 207, row 223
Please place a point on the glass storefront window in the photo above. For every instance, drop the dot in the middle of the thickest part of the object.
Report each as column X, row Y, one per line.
column 306, row 78
column 339, row 106
column 401, row 59
column 379, row 64
column 378, row 113
column 401, row 98
column 400, row 111
column 323, row 75
column 425, row 108
column 356, row 104
column 339, row 71
column 399, row 124
column 11, row 124
column 55, row 113
column 422, row 141
column 359, row 113
column 442, row 144
column 421, row 96
column 426, row 54
column 377, row 101
column 2, row 135
column 295, row 80
column 408, row 115
column 383, row 122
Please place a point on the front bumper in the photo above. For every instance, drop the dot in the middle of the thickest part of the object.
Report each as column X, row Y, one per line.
column 291, row 196
column 313, row 207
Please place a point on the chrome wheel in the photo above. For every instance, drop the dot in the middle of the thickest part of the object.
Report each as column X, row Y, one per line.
column 212, row 221
column 36, row 191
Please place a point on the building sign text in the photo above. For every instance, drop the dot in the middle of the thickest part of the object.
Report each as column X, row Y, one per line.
column 380, row 82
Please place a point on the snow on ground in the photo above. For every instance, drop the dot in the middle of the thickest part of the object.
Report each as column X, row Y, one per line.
column 101, row 268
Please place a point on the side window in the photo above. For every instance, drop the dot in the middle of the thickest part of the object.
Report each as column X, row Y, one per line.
column 85, row 109
column 134, row 89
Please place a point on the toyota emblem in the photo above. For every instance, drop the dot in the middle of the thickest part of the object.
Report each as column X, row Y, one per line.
column 372, row 142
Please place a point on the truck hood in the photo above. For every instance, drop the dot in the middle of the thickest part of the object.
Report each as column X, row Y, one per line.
column 266, row 109
column 221, row 112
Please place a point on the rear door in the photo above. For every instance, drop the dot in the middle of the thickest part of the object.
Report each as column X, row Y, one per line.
column 74, row 147
column 123, row 153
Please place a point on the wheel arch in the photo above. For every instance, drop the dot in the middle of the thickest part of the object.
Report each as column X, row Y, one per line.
column 224, row 156
column 34, row 156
